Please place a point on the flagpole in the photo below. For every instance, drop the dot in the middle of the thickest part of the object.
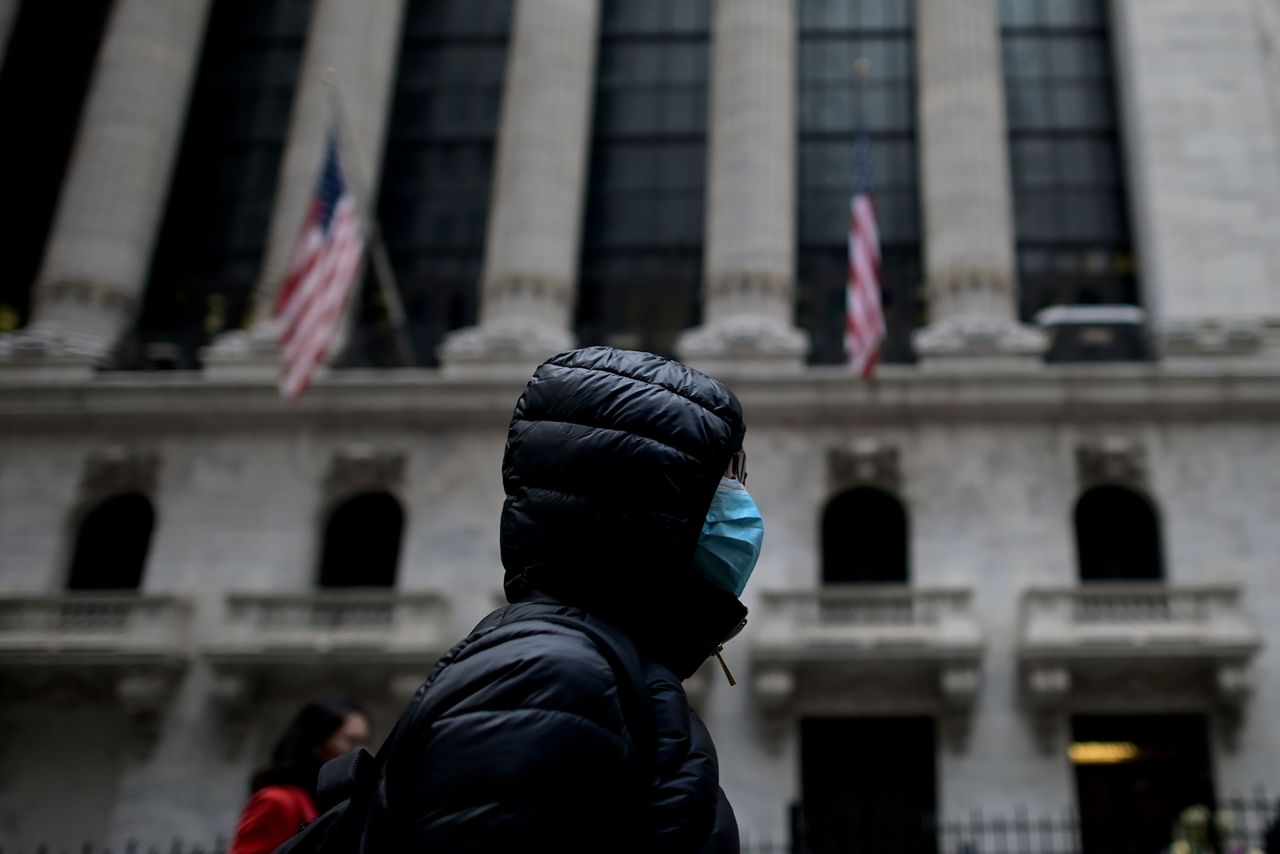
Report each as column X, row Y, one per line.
column 861, row 69
column 383, row 272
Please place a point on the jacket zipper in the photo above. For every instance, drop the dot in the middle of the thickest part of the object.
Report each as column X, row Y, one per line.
column 728, row 674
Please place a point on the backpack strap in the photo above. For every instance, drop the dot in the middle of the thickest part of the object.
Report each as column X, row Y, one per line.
column 354, row 775
column 633, row 690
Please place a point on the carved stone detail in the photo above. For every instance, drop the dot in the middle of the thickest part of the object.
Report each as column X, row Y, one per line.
column 959, row 686
column 1111, row 459
column 731, row 285
column 120, row 469
column 521, row 346
column 979, row 336
column 558, row 291
column 143, row 697
column 868, row 462
column 1233, row 683
column 1048, row 690
column 143, row 693
column 746, row 337
column 774, row 688
column 1218, row 337
column 1048, row 686
column 361, row 468
column 958, row 284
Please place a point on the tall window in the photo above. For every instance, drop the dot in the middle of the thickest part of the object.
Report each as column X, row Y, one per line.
column 864, row 538
column 641, row 265
column 112, row 544
column 1070, row 217
column 835, row 100
column 436, row 174
column 362, row 542
column 1117, row 535
column 47, row 68
column 215, row 227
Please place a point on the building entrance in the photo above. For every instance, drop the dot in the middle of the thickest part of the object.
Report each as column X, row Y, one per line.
column 868, row 784
column 1134, row 775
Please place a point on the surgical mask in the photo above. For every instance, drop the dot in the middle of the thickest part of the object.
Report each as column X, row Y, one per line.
column 732, row 535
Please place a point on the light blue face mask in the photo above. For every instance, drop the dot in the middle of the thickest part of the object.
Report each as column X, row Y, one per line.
column 732, row 535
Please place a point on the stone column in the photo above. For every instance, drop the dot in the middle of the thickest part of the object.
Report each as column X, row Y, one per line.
column 352, row 49
column 749, row 276
column 100, row 246
column 970, row 270
column 531, row 248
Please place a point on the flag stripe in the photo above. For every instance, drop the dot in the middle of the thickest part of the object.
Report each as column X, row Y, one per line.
column 864, row 317
column 320, row 278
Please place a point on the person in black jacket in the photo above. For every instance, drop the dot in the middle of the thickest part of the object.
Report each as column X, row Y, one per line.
column 624, row 478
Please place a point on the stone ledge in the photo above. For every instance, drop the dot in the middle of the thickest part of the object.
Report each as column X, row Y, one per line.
column 1251, row 338
column 1204, row 390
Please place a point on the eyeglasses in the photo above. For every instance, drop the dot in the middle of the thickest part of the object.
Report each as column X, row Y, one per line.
column 738, row 467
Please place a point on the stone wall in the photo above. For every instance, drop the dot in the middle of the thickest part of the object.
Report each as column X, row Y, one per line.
column 240, row 507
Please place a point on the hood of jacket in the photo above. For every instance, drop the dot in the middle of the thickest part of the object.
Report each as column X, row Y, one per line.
column 611, row 462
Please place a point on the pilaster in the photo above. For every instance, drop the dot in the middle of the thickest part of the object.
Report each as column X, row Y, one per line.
column 1197, row 86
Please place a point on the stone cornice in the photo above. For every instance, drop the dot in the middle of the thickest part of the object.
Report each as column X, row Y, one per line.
column 812, row 397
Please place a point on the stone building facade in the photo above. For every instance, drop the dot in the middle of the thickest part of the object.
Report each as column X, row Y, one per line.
column 1018, row 543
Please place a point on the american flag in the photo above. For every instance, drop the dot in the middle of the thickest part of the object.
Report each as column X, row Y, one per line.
column 325, row 263
column 864, row 316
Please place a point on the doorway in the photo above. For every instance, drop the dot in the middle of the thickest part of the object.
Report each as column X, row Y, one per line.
column 1134, row 775
column 869, row 784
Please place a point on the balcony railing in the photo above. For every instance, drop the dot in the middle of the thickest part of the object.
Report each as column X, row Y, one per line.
column 872, row 621
column 1138, row 619
column 351, row 622
column 124, row 628
column 929, row 640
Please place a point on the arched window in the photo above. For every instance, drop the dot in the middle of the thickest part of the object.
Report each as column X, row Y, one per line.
column 112, row 544
column 362, row 542
column 1117, row 535
column 864, row 538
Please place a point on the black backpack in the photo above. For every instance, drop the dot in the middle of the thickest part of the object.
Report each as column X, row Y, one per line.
column 347, row 785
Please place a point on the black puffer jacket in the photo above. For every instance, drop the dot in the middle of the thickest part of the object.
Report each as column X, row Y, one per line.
column 520, row 742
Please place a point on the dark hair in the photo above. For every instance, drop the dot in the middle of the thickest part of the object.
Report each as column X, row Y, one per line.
column 294, row 761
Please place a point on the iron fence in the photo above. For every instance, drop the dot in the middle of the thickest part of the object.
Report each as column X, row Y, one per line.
column 176, row 846
column 1243, row 823
column 1240, row 828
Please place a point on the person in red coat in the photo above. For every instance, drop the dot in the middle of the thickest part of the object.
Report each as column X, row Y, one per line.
column 283, row 793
